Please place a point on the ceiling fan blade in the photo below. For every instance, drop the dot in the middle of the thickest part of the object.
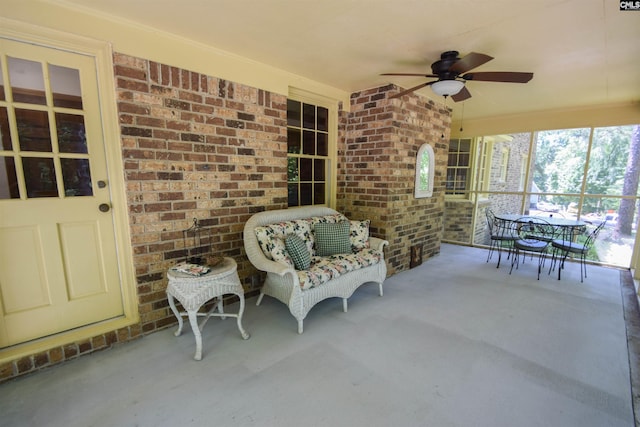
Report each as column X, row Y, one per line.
column 420, row 86
column 499, row 76
column 408, row 74
column 462, row 95
column 469, row 62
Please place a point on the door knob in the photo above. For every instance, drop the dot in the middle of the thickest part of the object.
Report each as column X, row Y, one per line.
column 104, row 207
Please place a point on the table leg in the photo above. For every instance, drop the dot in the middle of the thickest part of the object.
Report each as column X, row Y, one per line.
column 193, row 320
column 244, row 333
column 175, row 311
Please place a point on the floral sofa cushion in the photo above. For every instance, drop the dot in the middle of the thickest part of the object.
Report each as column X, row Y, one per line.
column 275, row 249
column 269, row 234
column 323, row 269
column 359, row 234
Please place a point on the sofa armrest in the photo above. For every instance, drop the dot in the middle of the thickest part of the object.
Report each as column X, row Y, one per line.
column 378, row 244
column 275, row 267
column 261, row 262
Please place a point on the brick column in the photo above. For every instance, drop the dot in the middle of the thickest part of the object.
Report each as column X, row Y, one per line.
column 378, row 146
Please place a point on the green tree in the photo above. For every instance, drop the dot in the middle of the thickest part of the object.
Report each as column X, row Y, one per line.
column 608, row 160
column 630, row 185
column 559, row 161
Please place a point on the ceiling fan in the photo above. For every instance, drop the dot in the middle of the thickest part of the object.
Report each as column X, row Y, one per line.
column 452, row 73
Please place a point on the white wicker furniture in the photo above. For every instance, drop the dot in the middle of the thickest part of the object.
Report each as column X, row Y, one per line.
column 195, row 291
column 283, row 281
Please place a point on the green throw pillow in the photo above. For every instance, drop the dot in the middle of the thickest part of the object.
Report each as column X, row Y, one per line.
column 298, row 251
column 332, row 239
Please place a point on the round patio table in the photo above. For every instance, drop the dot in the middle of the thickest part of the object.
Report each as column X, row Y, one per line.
column 551, row 220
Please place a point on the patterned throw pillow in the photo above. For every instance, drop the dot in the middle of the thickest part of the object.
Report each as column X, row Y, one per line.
column 332, row 239
column 316, row 220
column 298, row 251
column 278, row 251
column 359, row 234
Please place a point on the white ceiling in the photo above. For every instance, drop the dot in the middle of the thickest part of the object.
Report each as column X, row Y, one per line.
column 582, row 52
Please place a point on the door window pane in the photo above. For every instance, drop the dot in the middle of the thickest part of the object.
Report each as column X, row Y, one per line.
column 77, row 177
column 33, row 130
column 40, row 177
column 65, row 85
column 71, row 133
column 27, row 81
column 5, row 136
column 8, row 179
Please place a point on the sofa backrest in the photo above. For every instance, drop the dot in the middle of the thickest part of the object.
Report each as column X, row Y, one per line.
column 251, row 245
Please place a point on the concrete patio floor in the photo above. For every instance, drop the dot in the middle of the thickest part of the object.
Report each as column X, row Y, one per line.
column 453, row 342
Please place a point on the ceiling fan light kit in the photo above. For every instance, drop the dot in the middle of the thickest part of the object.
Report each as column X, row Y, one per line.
column 447, row 87
column 452, row 73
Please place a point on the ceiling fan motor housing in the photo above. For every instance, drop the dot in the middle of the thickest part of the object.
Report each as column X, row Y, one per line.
column 441, row 67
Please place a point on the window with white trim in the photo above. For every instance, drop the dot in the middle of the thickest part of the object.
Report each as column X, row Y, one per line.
column 458, row 180
column 311, row 129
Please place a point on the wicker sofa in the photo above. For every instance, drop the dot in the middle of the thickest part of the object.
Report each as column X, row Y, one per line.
column 267, row 236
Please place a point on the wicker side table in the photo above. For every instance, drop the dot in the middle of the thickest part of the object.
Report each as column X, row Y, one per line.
column 195, row 291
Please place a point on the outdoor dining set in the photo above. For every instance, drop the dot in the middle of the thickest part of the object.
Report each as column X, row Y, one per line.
column 544, row 237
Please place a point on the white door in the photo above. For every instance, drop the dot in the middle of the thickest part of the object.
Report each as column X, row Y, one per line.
column 58, row 262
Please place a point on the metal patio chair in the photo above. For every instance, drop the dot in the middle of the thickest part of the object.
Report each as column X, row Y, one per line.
column 534, row 237
column 570, row 244
column 502, row 236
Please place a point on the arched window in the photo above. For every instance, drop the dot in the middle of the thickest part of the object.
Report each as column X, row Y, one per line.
column 425, row 165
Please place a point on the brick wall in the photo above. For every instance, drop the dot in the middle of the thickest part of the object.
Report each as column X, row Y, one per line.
column 458, row 221
column 376, row 170
column 194, row 146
